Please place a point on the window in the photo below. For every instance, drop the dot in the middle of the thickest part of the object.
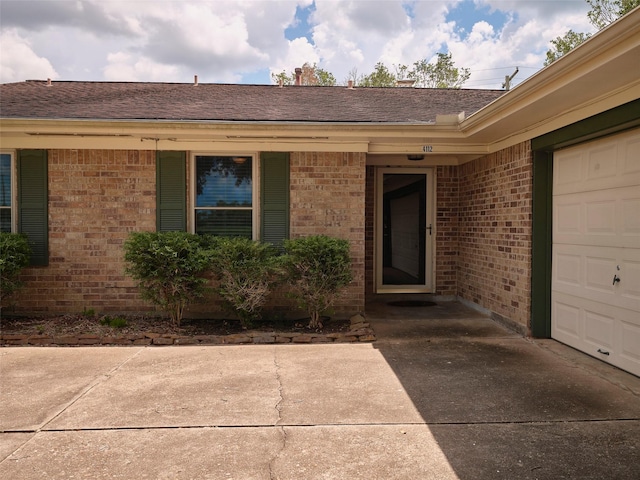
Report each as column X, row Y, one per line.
column 224, row 195
column 6, row 192
column 225, row 199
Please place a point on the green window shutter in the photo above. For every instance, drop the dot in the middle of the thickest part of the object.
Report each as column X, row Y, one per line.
column 33, row 216
column 274, row 190
column 171, row 194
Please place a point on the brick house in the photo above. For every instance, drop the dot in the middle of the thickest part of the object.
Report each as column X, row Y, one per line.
column 473, row 195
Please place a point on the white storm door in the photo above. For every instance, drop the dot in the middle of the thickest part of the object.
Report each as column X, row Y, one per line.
column 404, row 230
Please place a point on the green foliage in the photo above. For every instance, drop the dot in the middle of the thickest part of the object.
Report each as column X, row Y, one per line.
column 88, row 312
column 380, row 77
column 169, row 268
column 113, row 322
column 246, row 271
column 602, row 14
column 312, row 75
column 319, row 267
column 563, row 45
column 15, row 255
column 441, row 74
column 605, row 12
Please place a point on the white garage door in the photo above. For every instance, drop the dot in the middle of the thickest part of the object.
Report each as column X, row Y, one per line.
column 595, row 303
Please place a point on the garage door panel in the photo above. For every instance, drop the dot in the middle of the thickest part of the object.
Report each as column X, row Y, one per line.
column 600, row 217
column 567, row 219
column 610, row 163
column 630, row 339
column 568, row 171
column 607, row 332
column 630, row 281
column 609, row 217
column 595, row 285
column 599, row 329
column 601, row 163
column 629, row 358
column 568, row 268
column 631, row 216
column 567, row 322
column 587, row 272
column 630, row 147
column 599, row 274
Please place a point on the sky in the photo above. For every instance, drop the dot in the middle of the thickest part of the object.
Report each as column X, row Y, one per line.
column 245, row 41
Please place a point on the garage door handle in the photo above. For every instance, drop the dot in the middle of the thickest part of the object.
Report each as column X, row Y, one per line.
column 603, row 352
column 616, row 279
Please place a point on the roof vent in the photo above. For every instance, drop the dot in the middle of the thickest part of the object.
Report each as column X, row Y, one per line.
column 49, row 84
column 298, row 76
column 407, row 82
column 350, row 84
column 450, row 119
column 195, row 80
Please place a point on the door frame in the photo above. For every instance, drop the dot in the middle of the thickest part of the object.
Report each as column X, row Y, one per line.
column 609, row 122
column 430, row 234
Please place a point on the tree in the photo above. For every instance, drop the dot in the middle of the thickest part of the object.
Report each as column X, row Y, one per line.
column 605, row 12
column 312, row 75
column 442, row 74
column 380, row 77
column 563, row 45
column 602, row 14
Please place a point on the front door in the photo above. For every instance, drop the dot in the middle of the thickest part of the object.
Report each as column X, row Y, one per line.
column 404, row 230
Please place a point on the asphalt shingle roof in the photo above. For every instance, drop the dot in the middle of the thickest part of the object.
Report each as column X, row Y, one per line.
column 241, row 103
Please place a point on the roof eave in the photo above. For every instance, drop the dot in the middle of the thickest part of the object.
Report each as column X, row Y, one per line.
column 578, row 85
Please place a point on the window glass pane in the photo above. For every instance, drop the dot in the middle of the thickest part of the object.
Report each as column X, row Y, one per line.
column 5, row 192
column 228, row 223
column 5, row 220
column 223, row 181
column 5, row 180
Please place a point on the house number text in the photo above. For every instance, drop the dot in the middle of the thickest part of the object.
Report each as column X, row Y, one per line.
column 427, row 148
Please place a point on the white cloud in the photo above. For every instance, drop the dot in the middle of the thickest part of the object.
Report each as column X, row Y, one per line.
column 298, row 52
column 224, row 40
column 19, row 62
column 124, row 67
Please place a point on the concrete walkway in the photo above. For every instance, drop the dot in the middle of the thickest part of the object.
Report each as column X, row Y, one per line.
column 444, row 393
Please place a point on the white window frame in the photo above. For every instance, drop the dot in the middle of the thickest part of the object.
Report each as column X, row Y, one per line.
column 14, row 183
column 255, row 190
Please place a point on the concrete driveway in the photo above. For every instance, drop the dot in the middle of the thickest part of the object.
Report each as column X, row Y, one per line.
column 444, row 393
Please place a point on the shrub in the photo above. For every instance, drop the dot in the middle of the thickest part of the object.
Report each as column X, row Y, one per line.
column 169, row 267
column 15, row 254
column 113, row 322
column 319, row 267
column 246, row 271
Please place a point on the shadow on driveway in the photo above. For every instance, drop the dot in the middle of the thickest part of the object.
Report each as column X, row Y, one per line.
column 502, row 406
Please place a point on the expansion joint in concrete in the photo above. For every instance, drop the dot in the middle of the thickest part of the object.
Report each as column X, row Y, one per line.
column 281, row 429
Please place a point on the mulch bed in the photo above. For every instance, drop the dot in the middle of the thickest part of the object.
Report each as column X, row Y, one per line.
column 143, row 330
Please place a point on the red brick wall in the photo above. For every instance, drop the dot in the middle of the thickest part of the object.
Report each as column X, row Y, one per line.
column 370, row 205
column 328, row 197
column 96, row 197
column 495, row 215
column 447, row 205
column 483, row 243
